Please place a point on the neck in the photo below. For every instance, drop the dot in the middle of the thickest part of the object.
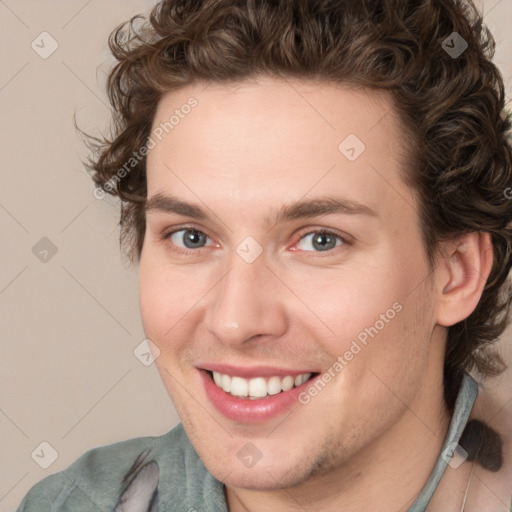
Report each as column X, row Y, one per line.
column 388, row 474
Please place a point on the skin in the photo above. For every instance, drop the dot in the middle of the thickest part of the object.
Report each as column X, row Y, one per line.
column 369, row 439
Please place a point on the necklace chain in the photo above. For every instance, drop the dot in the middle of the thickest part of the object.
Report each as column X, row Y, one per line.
column 467, row 487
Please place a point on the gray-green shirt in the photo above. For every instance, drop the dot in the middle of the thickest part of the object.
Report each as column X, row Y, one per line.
column 94, row 482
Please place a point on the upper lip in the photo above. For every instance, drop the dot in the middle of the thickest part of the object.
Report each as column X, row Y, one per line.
column 249, row 372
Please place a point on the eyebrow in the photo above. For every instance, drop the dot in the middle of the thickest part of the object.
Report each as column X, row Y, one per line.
column 301, row 209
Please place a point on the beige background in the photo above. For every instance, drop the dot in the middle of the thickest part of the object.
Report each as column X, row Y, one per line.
column 70, row 324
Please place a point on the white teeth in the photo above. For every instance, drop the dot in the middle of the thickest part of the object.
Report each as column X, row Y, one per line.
column 257, row 387
column 239, row 386
column 287, row 383
column 217, row 377
column 274, row 386
column 226, row 383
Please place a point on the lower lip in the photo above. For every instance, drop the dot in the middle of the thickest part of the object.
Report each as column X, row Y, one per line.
column 245, row 410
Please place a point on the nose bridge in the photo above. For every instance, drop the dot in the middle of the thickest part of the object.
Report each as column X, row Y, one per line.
column 245, row 303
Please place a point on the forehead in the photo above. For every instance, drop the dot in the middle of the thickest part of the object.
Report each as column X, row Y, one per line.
column 267, row 105
column 280, row 139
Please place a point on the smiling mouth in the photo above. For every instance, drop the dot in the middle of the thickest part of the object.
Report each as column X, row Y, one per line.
column 258, row 387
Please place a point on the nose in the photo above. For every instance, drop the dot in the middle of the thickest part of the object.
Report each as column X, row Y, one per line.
column 246, row 304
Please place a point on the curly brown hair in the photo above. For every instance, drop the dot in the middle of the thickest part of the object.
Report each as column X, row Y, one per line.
column 453, row 107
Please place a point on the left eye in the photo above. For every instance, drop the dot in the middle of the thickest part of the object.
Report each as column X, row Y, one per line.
column 320, row 241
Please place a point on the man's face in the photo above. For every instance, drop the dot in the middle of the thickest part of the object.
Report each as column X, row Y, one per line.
column 252, row 292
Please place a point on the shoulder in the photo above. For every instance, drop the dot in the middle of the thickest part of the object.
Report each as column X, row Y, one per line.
column 94, row 481
column 487, row 440
column 491, row 485
column 480, row 479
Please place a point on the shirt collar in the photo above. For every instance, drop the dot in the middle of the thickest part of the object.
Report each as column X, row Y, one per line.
column 463, row 406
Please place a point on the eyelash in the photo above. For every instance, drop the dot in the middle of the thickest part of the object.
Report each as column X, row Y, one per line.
column 321, row 231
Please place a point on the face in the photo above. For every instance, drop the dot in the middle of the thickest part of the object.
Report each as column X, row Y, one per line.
column 281, row 245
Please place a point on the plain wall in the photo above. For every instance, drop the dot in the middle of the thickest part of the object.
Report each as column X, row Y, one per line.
column 70, row 320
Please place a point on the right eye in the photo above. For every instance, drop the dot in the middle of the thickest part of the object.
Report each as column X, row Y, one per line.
column 187, row 239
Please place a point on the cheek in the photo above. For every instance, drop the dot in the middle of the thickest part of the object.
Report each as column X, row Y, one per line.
column 152, row 296
column 366, row 315
column 160, row 297
column 342, row 302
column 171, row 298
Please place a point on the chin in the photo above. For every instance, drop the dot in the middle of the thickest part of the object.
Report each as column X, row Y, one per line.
column 263, row 476
column 265, row 479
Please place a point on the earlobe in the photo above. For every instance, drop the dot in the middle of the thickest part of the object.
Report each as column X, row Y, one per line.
column 464, row 268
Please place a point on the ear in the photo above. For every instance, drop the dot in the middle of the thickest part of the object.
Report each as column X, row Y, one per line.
column 462, row 271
